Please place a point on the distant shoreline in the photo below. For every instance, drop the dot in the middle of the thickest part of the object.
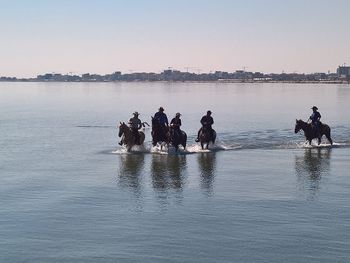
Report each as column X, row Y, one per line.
column 239, row 76
column 184, row 81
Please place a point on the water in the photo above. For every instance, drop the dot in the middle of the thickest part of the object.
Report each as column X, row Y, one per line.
column 69, row 193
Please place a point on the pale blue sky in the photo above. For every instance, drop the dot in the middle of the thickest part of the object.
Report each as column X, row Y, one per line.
column 103, row 36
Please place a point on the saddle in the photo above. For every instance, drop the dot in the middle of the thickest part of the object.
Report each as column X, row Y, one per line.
column 316, row 129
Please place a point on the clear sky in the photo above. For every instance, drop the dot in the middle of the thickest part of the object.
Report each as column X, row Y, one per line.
column 103, row 36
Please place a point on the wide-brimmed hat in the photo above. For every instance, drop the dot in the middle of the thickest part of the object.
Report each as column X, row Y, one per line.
column 178, row 114
column 136, row 113
column 161, row 109
column 314, row 108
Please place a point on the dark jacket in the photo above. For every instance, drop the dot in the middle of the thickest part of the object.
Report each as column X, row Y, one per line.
column 161, row 116
column 315, row 117
column 207, row 121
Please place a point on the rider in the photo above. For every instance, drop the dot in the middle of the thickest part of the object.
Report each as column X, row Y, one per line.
column 207, row 121
column 176, row 123
column 161, row 117
column 134, row 124
column 315, row 120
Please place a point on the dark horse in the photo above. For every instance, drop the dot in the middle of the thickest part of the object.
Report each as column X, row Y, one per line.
column 178, row 137
column 207, row 135
column 160, row 133
column 310, row 133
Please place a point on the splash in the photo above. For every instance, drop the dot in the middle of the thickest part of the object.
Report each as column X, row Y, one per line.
column 190, row 149
column 314, row 144
column 265, row 139
column 133, row 150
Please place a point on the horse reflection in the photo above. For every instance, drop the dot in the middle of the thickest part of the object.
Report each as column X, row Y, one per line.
column 207, row 167
column 168, row 171
column 311, row 167
column 131, row 166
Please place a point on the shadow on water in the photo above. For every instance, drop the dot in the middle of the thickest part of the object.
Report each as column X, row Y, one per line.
column 131, row 166
column 207, row 167
column 311, row 167
column 168, row 171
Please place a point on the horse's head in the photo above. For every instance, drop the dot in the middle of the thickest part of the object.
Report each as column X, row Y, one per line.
column 121, row 128
column 155, row 122
column 205, row 129
column 158, row 127
column 298, row 124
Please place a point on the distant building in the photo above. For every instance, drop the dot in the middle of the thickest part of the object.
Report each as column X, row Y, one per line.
column 343, row 72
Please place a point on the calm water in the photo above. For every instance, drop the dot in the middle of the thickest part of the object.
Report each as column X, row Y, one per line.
column 69, row 193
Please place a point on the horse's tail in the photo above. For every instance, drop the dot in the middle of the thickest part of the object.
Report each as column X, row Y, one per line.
column 214, row 136
column 184, row 139
column 326, row 130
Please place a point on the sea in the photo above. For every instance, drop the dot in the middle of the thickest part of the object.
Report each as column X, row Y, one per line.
column 70, row 193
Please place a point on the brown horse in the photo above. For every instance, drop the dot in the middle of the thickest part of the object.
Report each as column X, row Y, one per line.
column 206, row 136
column 310, row 133
column 129, row 139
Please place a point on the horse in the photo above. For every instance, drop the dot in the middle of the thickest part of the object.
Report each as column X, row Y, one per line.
column 310, row 133
column 160, row 133
column 206, row 136
column 128, row 136
column 178, row 137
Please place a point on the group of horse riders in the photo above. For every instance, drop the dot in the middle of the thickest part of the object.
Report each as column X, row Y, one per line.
column 135, row 124
column 207, row 121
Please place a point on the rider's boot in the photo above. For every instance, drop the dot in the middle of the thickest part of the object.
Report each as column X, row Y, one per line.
column 197, row 139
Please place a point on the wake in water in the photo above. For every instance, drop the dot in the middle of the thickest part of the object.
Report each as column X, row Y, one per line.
column 265, row 139
column 314, row 144
column 190, row 149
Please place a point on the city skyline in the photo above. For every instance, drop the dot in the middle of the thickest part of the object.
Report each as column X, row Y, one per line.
column 148, row 36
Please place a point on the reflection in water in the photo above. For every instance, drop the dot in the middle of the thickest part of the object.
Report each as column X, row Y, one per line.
column 207, row 166
column 131, row 166
column 310, row 168
column 168, row 171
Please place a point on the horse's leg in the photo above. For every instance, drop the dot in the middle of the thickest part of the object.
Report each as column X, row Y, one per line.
column 319, row 140
column 328, row 135
column 202, row 145
column 330, row 140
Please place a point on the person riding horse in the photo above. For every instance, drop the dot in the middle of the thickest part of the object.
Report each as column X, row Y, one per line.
column 135, row 124
column 162, row 118
column 175, row 125
column 207, row 121
column 315, row 120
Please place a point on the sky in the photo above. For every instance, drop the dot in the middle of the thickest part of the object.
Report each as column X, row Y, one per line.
column 104, row 36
